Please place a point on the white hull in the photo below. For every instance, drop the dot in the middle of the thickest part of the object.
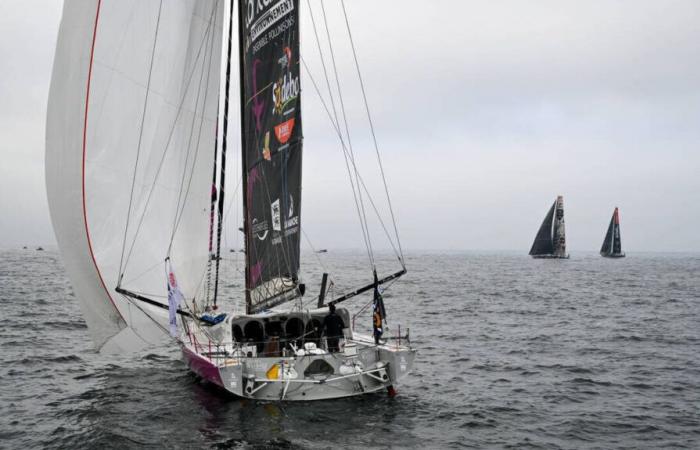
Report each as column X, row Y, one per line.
column 373, row 368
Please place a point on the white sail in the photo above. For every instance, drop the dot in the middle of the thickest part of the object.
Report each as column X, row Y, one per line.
column 133, row 98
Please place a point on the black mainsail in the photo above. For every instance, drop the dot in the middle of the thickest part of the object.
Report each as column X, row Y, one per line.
column 612, row 244
column 271, row 150
column 550, row 241
column 543, row 244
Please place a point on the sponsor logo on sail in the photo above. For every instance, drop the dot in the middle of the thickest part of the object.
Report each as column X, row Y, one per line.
column 283, row 132
column 266, row 146
column 292, row 221
column 284, row 91
column 285, row 60
column 260, row 229
column 276, row 216
column 268, row 18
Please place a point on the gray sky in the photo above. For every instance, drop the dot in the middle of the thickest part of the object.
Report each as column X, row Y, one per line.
column 484, row 111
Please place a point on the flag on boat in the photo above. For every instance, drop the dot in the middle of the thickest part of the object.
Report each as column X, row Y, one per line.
column 378, row 312
column 175, row 297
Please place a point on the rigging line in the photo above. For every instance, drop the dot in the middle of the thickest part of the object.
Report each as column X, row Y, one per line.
column 371, row 126
column 364, row 186
column 242, row 33
column 233, row 195
column 318, row 258
column 224, row 144
column 187, row 156
column 363, row 225
column 138, row 146
column 132, row 302
column 347, row 129
column 358, row 205
column 199, row 137
column 170, row 136
column 180, row 199
column 142, row 274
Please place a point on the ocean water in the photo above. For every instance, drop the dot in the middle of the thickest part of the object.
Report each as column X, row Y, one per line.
column 513, row 353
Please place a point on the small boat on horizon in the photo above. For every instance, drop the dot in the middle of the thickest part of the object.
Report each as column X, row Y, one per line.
column 612, row 244
column 550, row 241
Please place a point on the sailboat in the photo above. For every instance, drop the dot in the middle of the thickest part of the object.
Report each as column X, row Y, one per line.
column 136, row 141
column 612, row 244
column 550, row 241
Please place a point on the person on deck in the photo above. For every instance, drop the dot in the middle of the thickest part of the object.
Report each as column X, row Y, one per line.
column 333, row 328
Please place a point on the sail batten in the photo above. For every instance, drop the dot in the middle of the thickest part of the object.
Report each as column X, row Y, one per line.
column 271, row 150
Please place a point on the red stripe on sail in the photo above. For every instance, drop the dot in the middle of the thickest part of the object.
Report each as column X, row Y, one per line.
column 87, row 102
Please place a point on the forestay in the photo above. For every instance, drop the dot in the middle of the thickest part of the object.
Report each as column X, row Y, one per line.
column 129, row 151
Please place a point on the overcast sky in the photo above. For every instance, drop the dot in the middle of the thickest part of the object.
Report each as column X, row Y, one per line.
column 484, row 111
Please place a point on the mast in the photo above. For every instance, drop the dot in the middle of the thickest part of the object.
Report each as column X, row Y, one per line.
column 244, row 164
column 212, row 209
column 559, row 232
column 224, row 141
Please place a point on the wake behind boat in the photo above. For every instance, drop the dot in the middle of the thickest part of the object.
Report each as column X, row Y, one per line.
column 136, row 142
column 550, row 241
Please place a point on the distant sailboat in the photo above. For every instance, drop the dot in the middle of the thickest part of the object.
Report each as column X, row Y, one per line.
column 550, row 241
column 612, row 244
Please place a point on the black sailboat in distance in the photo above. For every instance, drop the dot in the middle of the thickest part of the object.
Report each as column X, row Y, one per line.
column 612, row 244
column 550, row 241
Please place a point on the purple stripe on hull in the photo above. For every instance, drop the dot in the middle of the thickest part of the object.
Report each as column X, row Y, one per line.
column 202, row 367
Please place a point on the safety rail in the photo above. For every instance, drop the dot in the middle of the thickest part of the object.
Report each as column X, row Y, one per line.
column 218, row 353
